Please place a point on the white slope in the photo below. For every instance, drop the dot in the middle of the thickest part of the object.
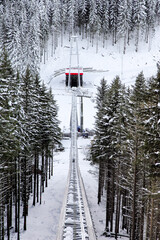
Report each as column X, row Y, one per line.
column 110, row 59
column 42, row 221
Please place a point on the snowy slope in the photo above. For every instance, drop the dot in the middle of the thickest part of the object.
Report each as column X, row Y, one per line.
column 110, row 59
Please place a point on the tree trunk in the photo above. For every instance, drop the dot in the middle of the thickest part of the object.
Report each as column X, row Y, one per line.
column 41, row 184
column 137, row 38
column 125, row 43
column 62, row 34
column 8, row 220
column 43, row 171
column 3, row 224
column 52, row 46
column 18, row 222
column 112, row 196
column 134, row 200
column 97, row 40
column 52, row 164
column 142, row 209
column 35, row 172
column 117, row 213
column 148, row 218
column 108, row 186
column 46, row 167
column 151, row 221
column 99, row 183
column 37, row 167
column 16, row 196
column 49, row 167
column 25, row 195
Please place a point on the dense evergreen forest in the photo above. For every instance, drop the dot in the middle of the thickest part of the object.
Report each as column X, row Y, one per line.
column 127, row 137
column 29, row 131
column 126, row 146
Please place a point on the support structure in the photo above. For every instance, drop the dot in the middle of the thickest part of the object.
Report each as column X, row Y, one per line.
column 75, row 220
column 81, row 114
column 76, row 53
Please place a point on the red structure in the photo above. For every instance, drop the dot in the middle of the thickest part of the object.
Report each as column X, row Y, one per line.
column 76, row 77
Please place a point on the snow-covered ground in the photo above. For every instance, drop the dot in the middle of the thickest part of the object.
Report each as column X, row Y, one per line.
column 42, row 221
column 110, row 59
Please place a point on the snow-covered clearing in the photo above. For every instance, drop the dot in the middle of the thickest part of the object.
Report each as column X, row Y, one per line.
column 110, row 59
column 42, row 221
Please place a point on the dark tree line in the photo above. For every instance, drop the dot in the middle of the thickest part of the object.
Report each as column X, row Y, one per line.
column 25, row 26
column 29, row 131
column 126, row 146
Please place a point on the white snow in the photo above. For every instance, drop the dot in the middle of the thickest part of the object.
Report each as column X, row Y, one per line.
column 70, row 199
column 69, row 220
column 42, row 222
column 68, row 233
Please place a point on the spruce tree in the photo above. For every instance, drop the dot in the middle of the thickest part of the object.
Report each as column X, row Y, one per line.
column 137, row 157
column 152, row 153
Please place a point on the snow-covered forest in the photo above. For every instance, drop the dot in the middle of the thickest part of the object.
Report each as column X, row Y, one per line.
column 29, row 133
column 126, row 142
column 126, row 146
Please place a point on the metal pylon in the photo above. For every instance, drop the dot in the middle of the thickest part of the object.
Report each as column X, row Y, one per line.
column 74, row 39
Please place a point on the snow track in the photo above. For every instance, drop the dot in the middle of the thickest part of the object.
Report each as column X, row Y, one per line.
column 75, row 220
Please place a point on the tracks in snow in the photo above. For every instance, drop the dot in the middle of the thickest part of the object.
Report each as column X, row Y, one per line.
column 75, row 220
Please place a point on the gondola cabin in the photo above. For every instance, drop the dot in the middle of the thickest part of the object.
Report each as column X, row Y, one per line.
column 74, row 79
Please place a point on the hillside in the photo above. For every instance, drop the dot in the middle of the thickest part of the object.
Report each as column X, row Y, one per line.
column 109, row 59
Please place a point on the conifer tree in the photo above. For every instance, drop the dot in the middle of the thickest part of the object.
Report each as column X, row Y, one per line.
column 139, row 19
column 152, row 152
column 98, row 147
column 8, row 140
column 150, row 19
column 124, row 21
column 137, row 157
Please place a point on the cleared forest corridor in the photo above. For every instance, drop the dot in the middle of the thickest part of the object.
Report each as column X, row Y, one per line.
column 75, row 220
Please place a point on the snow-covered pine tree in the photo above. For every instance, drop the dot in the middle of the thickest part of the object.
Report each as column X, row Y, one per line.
column 44, row 26
column 150, row 20
column 71, row 13
column 136, row 132
column 32, row 41
column 139, row 19
column 118, row 140
column 49, row 131
column 8, row 141
column 114, row 19
column 98, row 151
column 105, row 20
column 56, row 22
column 83, row 17
column 64, row 17
column 26, row 167
column 107, row 147
column 116, row 134
column 95, row 22
column 157, row 10
column 152, row 152
column 124, row 22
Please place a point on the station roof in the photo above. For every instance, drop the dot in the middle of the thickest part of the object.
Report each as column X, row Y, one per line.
column 74, row 71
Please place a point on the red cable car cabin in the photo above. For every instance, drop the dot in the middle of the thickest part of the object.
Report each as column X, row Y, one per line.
column 74, row 77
